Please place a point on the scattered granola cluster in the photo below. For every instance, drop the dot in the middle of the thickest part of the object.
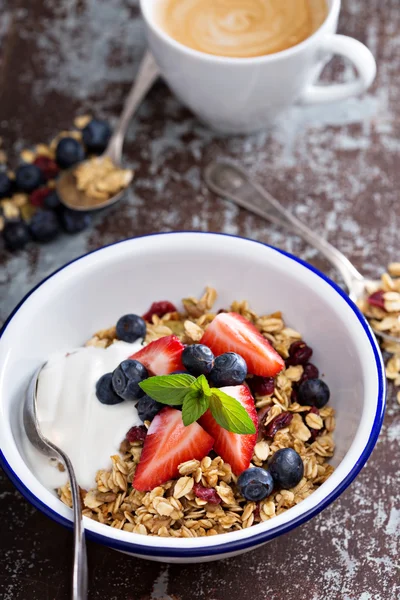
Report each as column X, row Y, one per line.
column 204, row 499
column 30, row 208
column 382, row 308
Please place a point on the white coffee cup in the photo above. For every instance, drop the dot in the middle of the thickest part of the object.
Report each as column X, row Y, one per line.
column 242, row 95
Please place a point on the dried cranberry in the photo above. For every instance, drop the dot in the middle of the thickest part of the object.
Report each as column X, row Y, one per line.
column 208, row 494
column 262, row 413
column 299, row 354
column 310, row 372
column 136, row 434
column 37, row 197
column 257, row 511
column 376, row 299
column 160, row 309
column 314, row 434
column 262, row 386
column 48, row 167
column 281, row 421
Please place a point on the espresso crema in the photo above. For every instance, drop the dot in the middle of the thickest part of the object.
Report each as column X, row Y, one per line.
column 241, row 28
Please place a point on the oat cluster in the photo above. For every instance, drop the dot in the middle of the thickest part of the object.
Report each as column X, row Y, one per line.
column 100, row 178
column 174, row 509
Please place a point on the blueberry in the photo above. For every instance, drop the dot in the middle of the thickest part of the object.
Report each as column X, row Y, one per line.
column 28, row 178
column 105, row 391
column 179, row 373
column 44, row 226
column 52, row 201
column 96, row 135
column 198, row 359
column 148, row 408
column 69, row 152
column 74, row 221
column 313, row 392
column 130, row 328
column 286, row 468
column 16, row 234
column 255, row 484
column 126, row 379
column 229, row 369
column 5, row 185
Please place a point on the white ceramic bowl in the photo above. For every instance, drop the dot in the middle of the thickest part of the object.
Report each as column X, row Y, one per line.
column 93, row 291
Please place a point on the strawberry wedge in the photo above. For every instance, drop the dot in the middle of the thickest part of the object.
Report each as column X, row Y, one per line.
column 168, row 444
column 230, row 332
column 163, row 356
column 233, row 448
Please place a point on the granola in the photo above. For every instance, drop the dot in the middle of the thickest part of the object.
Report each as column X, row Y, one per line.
column 100, row 178
column 382, row 308
column 204, row 500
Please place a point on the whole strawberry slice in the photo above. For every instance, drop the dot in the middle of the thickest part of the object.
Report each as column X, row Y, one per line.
column 230, row 332
column 233, row 448
column 162, row 356
column 168, row 444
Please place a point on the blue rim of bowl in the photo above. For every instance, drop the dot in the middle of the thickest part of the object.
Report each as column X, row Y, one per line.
column 259, row 538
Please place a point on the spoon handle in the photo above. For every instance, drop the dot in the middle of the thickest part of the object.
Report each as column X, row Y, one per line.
column 228, row 180
column 80, row 569
column 147, row 74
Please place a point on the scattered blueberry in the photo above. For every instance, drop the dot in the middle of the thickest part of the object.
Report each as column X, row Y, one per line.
column 52, row 201
column 16, row 234
column 130, row 328
column 5, row 185
column 286, row 468
column 198, row 359
column 44, row 226
column 74, row 221
column 255, row 484
column 126, row 379
column 148, row 408
column 69, row 152
column 229, row 369
column 96, row 135
column 105, row 391
column 313, row 392
column 28, row 178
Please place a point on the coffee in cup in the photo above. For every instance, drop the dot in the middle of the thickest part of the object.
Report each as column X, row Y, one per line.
column 241, row 28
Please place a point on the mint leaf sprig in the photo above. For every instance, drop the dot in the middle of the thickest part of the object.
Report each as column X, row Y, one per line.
column 195, row 396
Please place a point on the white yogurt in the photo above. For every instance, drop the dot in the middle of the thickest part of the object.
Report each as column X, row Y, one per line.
column 72, row 417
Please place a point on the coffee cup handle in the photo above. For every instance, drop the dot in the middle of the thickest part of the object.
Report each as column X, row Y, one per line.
column 361, row 58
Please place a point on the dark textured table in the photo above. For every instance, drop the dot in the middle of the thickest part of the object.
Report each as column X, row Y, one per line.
column 334, row 166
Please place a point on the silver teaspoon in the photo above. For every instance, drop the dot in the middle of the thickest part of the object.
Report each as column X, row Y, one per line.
column 76, row 199
column 46, row 447
column 228, row 180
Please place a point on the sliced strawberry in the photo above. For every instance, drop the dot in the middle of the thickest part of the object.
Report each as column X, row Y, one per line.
column 230, row 332
column 168, row 444
column 162, row 356
column 235, row 449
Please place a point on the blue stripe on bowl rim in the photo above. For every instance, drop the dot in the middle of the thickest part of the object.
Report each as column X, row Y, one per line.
column 259, row 538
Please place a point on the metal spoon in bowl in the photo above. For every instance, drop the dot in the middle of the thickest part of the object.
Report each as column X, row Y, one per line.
column 41, row 443
column 228, row 180
column 69, row 194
